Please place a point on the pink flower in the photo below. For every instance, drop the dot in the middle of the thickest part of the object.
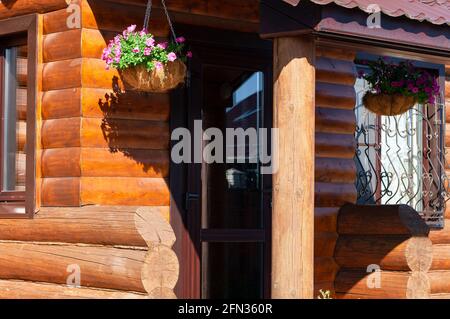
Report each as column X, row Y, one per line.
column 117, row 59
column 147, row 51
column 150, row 42
column 415, row 90
column 131, row 28
column 180, row 40
column 171, row 56
column 189, row 54
column 162, row 46
column 136, row 50
column 158, row 65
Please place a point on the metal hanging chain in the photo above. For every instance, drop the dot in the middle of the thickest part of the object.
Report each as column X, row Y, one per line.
column 163, row 2
column 148, row 13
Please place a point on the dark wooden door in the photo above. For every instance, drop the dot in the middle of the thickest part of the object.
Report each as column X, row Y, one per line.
column 224, row 247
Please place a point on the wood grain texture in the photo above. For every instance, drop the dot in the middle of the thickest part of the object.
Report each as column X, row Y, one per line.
column 63, row 45
column 18, row 8
column 14, row 289
column 393, row 285
column 63, row 132
column 93, row 225
column 99, row 162
column 293, row 197
column 104, row 103
column 124, row 191
column 395, row 253
column 334, row 194
column 335, row 170
column 101, row 267
column 330, row 95
column 120, row 134
column 335, row 121
column 64, row 103
column 335, row 145
column 61, row 191
column 62, row 74
column 61, row 162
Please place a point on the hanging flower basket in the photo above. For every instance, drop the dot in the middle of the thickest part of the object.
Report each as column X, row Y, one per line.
column 388, row 104
column 144, row 64
column 155, row 80
column 396, row 88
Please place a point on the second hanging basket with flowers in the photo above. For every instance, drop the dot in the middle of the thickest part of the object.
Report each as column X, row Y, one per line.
column 144, row 64
column 396, row 88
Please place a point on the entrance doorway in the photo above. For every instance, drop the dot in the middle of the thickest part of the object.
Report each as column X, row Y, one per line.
column 221, row 210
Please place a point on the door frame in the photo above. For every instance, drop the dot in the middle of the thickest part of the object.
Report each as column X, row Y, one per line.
column 210, row 47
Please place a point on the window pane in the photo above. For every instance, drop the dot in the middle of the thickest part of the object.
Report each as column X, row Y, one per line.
column 234, row 100
column 232, row 270
column 14, row 119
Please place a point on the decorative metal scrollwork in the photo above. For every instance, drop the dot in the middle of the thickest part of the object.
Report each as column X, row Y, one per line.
column 401, row 159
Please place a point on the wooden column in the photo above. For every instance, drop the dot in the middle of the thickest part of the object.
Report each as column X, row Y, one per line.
column 293, row 184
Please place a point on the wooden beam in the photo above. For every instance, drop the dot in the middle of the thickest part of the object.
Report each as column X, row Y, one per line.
column 293, row 183
column 10, row 8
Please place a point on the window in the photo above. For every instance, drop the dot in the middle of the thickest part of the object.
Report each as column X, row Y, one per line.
column 17, row 122
column 401, row 159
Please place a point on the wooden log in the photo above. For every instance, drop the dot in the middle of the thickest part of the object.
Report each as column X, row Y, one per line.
column 335, row 53
column 334, row 194
column 335, row 170
column 324, row 244
column 335, row 145
column 398, row 253
column 441, row 257
column 18, row 8
column 61, row 133
column 95, row 75
column 63, row 45
column 335, row 121
column 101, row 267
column 335, row 71
column 325, row 219
column 441, row 236
column 380, row 220
column 118, row 134
column 124, row 191
column 99, row 162
column 61, row 191
column 59, row 75
column 21, row 135
column 14, row 289
column 103, row 103
column 94, row 225
column 325, row 269
column 61, row 162
column 64, row 103
column 56, row 21
column 335, row 96
column 439, row 281
column 393, row 284
column 293, row 196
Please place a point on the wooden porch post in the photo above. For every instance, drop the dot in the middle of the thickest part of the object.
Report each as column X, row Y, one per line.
column 293, row 184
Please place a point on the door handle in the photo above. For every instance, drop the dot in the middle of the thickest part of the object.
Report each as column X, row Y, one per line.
column 190, row 197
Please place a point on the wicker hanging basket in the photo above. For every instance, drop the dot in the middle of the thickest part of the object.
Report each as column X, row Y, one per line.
column 155, row 81
column 388, row 104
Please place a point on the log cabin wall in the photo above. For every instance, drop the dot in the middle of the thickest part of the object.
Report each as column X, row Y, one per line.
column 335, row 170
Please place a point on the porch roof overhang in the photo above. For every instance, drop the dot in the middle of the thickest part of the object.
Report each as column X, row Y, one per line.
column 330, row 20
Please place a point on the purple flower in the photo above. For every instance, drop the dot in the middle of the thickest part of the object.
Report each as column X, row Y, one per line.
column 158, row 65
column 147, row 51
column 189, row 54
column 171, row 56
column 162, row 46
column 428, row 89
column 431, row 99
column 150, row 42
column 180, row 40
column 415, row 90
column 131, row 28
column 360, row 73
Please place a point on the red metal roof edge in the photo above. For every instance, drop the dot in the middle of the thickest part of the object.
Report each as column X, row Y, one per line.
column 434, row 11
